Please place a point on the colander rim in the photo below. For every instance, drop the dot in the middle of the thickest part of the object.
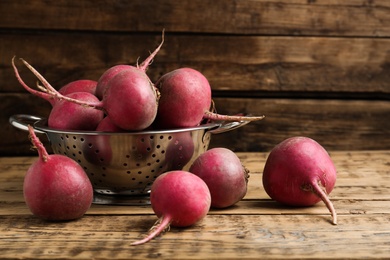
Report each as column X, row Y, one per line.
column 41, row 125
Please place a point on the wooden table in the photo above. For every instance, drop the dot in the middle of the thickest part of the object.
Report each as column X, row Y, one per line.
column 255, row 228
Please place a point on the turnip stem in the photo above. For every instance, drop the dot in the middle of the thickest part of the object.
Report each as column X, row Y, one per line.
column 144, row 65
column 43, row 154
column 45, row 83
column 215, row 116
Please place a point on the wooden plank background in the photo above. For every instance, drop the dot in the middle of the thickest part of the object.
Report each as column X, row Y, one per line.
column 314, row 68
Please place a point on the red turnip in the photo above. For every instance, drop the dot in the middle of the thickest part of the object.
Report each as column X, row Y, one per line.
column 103, row 82
column 300, row 172
column 226, row 177
column 179, row 199
column 70, row 116
column 186, row 100
column 56, row 187
column 106, row 76
column 81, row 85
column 131, row 100
column 64, row 114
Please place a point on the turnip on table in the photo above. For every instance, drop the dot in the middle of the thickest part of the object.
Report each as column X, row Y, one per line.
column 300, row 172
column 178, row 198
column 226, row 177
column 55, row 187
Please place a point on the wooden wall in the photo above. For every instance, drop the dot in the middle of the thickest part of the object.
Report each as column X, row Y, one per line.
column 314, row 68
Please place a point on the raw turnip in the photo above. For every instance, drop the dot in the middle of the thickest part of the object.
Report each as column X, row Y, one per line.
column 64, row 114
column 70, row 116
column 300, row 172
column 224, row 174
column 81, row 85
column 56, row 187
column 103, row 82
column 186, row 100
column 131, row 100
column 106, row 76
column 179, row 199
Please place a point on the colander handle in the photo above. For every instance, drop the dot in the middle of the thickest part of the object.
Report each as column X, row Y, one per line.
column 228, row 126
column 21, row 121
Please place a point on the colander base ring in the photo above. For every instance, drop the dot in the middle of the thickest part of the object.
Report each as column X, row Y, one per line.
column 133, row 200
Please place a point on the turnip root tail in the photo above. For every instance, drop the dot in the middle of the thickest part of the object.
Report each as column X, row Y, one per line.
column 317, row 188
column 145, row 64
column 218, row 117
column 43, row 155
column 161, row 225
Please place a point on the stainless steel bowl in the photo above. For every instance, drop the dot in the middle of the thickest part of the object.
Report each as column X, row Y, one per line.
column 123, row 166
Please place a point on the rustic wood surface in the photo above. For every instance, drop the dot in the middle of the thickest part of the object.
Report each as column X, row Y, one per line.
column 297, row 62
column 284, row 17
column 255, row 228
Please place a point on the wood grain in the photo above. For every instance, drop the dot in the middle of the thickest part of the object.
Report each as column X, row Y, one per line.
column 275, row 17
column 340, row 67
column 255, row 227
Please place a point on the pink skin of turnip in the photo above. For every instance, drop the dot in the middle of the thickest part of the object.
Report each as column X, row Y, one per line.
column 106, row 125
column 300, row 172
column 179, row 199
column 64, row 114
column 186, row 100
column 81, row 85
column 130, row 99
column 107, row 76
column 226, row 177
column 185, row 96
column 55, row 187
column 70, row 116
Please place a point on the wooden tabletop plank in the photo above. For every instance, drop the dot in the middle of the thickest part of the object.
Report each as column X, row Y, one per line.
column 217, row 236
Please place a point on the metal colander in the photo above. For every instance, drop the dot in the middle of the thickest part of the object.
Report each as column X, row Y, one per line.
column 123, row 166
